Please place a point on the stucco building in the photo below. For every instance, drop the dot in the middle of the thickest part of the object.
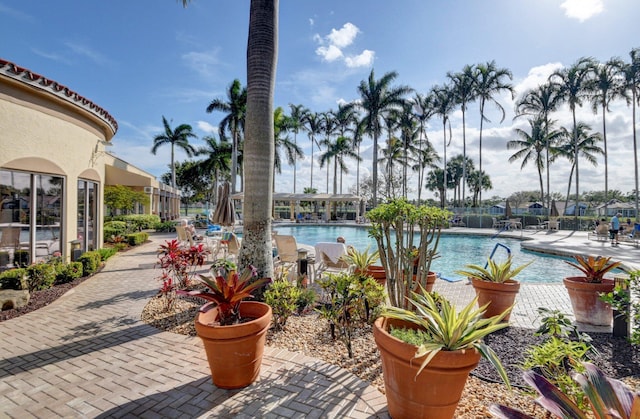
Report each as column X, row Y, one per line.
column 54, row 166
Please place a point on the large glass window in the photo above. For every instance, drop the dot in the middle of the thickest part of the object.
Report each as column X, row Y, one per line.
column 87, row 214
column 30, row 223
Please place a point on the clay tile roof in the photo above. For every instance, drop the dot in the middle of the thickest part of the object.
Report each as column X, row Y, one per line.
column 26, row 76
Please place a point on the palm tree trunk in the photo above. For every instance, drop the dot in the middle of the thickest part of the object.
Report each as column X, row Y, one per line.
column 375, row 167
column 566, row 202
column 635, row 147
column 295, row 162
column 311, row 183
column 444, row 167
column 464, row 155
column 575, row 148
column 480, row 148
column 234, row 160
column 173, row 168
column 546, row 129
column 262, row 53
column 606, row 164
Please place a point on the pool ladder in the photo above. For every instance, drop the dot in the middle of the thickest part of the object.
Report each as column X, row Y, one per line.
column 493, row 252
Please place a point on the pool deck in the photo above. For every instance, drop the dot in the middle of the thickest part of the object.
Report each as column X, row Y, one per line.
column 89, row 355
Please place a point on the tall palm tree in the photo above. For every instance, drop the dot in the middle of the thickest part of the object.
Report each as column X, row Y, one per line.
column 489, row 82
column 456, row 170
column 282, row 142
column 463, row 87
column 329, row 127
column 376, row 97
column 178, row 137
column 235, row 108
column 606, row 86
column 540, row 102
column 392, row 151
column 313, row 123
column 346, row 118
column 531, row 145
column 295, row 123
column 262, row 55
column 572, row 84
column 217, row 162
column 426, row 155
column 586, row 144
column 443, row 103
column 409, row 133
column 632, row 86
column 477, row 182
column 337, row 150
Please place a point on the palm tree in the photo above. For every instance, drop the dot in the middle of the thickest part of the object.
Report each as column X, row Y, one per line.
column 489, row 82
column 338, row 151
column 435, row 182
column 530, row 147
column 313, row 125
column 572, row 84
column 295, row 122
column 235, row 109
column 377, row 97
column 580, row 143
column 216, row 163
column 456, row 171
column 346, row 118
column 262, row 54
column 540, row 102
column 477, row 182
column 426, row 155
column 177, row 138
column 292, row 151
column 632, row 85
column 464, row 91
column 605, row 87
column 329, row 126
column 409, row 133
column 443, row 103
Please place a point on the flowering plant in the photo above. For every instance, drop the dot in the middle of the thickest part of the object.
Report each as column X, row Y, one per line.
column 226, row 290
column 593, row 268
column 179, row 263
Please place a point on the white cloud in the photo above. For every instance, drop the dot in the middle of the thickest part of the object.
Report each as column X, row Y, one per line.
column 343, row 37
column 206, row 127
column 205, row 63
column 86, row 51
column 364, row 59
column 582, row 9
column 330, row 53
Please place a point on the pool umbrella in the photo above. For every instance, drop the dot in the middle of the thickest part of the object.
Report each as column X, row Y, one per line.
column 507, row 209
column 225, row 213
column 554, row 210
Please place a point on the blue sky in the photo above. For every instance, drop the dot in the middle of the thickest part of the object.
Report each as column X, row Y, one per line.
column 144, row 59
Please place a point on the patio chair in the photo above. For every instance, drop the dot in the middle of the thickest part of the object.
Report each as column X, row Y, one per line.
column 10, row 237
column 287, row 257
column 330, row 255
column 231, row 245
column 183, row 237
column 553, row 223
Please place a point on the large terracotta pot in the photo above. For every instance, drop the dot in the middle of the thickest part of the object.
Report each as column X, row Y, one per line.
column 431, row 279
column 500, row 295
column 235, row 352
column 378, row 273
column 587, row 306
column 436, row 391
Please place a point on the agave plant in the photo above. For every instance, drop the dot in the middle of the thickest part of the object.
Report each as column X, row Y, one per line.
column 593, row 268
column 449, row 330
column 362, row 259
column 609, row 398
column 494, row 271
column 227, row 290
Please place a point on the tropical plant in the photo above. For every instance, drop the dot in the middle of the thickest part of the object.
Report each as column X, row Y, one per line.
column 593, row 268
column 632, row 87
column 217, row 156
column 361, row 259
column 227, row 289
column 448, row 330
column 179, row 263
column 620, row 300
column 295, row 123
column 176, row 137
column 489, row 82
column 427, row 157
column 394, row 225
column 282, row 142
column 283, row 297
column 608, row 397
column 443, row 102
column 377, row 97
column 499, row 272
column 313, row 124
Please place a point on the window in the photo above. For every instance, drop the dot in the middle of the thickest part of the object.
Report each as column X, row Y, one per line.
column 87, row 214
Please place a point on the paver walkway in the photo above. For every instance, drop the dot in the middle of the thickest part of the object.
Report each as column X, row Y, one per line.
column 89, row 355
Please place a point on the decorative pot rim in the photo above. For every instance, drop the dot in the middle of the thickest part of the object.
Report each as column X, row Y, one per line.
column 582, row 280
column 508, row 282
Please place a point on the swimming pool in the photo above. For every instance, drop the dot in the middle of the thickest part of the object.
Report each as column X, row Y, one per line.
column 455, row 251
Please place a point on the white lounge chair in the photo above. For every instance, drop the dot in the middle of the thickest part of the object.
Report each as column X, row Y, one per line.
column 330, row 255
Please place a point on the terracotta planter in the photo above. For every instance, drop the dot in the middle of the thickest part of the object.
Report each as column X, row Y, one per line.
column 586, row 303
column 431, row 279
column 235, row 352
column 433, row 394
column 377, row 273
column 500, row 295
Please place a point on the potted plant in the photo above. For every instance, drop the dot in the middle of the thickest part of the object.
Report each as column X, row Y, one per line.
column 364, row 261
column 407, row 236
column 584, row 291
column 427, row 354
column 495, row 284
column 233, row 331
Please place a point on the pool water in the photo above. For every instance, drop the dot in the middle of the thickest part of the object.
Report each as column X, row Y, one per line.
column 455, row 251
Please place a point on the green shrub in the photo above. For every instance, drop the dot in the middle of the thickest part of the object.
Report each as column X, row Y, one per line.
column 90, row 262
column 114, row 229
column 305, row 300
column 166, row 227
column 13, row 279
column 282, row 296
column 67, row 272
column 137, row 222
column 107, row 252
column 40, row 276
column 120, row 246
column 136, row 239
